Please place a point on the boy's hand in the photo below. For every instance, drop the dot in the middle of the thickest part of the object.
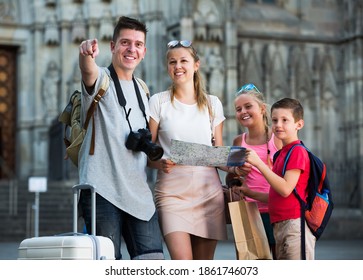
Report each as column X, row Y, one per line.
column 252, row 157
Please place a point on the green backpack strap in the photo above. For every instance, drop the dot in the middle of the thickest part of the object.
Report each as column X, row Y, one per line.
column 90, row 113
column 144, row 87
column 66, row 116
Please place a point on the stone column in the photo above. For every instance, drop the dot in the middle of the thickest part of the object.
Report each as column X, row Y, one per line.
column 152, row 69
column 69, row 54
column 231, row 64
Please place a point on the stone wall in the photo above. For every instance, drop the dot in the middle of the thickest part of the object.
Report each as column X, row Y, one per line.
column 312, row 52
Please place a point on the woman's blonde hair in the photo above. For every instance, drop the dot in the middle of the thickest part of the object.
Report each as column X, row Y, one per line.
column 199, row 86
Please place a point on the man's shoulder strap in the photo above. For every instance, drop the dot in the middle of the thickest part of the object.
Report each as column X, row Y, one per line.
column 104, row 86
column 101, row 92
column 144, row 87
column 75, row 100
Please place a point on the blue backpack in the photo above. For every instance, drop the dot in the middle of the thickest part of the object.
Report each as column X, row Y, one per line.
column 319, row 205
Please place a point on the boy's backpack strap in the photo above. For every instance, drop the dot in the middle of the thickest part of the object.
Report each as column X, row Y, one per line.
column 144, row 87
column 288, row 157
column 276, row 155
column 101, row 92
column 301, row 201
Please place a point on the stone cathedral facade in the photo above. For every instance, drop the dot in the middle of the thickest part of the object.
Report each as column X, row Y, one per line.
column 311, row 50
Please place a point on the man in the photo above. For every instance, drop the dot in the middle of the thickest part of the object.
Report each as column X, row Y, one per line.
column 125, row 206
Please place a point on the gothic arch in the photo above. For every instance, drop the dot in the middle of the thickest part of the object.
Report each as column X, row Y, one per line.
column 329, row 87
column 303, row 76
column 308, row 133
column 278, row 75
column 9, row 12
column 16, row 11
column 209, row 12
column 305, row 94
column 208, row 17
column 74, row 80
column 251, row 72
column 265, row 60
column 331, row 121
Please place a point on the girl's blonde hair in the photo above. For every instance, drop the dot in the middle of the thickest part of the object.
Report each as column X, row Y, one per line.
column 260, row 99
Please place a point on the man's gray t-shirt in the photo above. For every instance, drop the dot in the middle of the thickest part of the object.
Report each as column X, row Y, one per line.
column 118, row 174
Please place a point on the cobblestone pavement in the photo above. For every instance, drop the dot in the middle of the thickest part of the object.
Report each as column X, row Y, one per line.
column 325, row 250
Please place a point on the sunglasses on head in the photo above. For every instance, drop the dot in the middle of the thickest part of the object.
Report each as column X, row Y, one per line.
column 183, row 43
column 246, row 88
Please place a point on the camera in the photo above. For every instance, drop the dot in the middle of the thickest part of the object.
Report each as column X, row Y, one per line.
column 141, row 141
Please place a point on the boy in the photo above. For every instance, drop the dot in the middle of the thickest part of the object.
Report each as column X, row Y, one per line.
column 284, row 208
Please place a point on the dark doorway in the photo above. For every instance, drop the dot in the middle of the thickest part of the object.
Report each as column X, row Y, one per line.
column 8, row 105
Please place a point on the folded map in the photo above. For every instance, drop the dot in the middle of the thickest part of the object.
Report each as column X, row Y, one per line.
column 187, row 153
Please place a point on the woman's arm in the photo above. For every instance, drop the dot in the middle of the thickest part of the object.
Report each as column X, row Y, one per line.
column 218, row 135
column 154, row 126
column 165, row 164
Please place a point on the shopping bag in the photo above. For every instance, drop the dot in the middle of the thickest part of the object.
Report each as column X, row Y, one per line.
column 229, row 195
column 249, row 234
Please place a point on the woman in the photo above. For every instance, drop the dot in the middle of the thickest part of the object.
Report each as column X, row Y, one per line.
column 189, row 199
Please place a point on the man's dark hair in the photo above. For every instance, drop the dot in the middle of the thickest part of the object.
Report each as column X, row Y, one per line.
column 128, row 23
column 289, row 103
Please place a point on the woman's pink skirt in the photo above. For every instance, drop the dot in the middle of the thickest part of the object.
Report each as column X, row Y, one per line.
column 190, row 199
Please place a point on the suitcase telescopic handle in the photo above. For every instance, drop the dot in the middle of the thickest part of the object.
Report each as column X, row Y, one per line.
column 76, row 188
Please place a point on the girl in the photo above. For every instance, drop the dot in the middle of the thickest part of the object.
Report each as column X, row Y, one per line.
column 252, row 113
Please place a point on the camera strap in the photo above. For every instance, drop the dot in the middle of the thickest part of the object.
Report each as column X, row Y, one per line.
column 121, row 96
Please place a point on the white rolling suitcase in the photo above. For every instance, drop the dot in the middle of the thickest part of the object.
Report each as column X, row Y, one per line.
column 70, row 246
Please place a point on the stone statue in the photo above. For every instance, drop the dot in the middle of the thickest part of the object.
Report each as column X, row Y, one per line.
column 216, row 74
column 50, row 89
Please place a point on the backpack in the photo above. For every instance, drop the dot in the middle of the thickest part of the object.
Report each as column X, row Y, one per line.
column 319, row 205
column 74, row 133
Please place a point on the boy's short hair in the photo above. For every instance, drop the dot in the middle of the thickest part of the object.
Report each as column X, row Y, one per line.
column 289, row 103
column 128, row 23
